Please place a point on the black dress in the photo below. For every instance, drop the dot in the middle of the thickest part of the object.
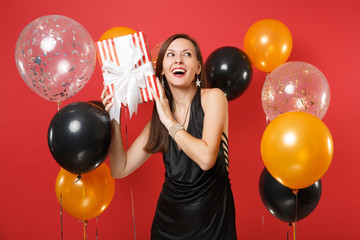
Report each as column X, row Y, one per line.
column 195, row 204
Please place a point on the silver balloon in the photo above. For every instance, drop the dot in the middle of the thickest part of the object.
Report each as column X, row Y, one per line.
column 55, row 57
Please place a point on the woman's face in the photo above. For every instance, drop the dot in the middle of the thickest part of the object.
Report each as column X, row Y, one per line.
column 180, row 63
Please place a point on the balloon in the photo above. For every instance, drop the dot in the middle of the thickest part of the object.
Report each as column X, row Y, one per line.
column 268, row 43
column 282, row 201
column 98, row 104
column 80, row 136
column 295, row 86
column 297, row 149
column 87, row 197
column 155, row 52
column 116, row 32
column 55, row 57
column 229, row 69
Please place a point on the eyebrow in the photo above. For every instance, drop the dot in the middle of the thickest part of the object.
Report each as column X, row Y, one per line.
column 187, row 49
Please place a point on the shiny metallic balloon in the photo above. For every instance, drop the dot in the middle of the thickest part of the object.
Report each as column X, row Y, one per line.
column 286, row 204
column 229, row 69
column 80, row 136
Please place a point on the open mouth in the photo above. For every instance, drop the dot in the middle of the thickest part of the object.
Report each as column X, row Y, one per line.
column 178, row 72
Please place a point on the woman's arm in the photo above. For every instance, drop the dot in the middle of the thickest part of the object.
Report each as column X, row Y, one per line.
column 204, row 151
column 123, row 162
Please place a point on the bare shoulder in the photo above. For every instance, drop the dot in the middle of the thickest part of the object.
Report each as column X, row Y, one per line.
column 215, row 106
column 213, row 96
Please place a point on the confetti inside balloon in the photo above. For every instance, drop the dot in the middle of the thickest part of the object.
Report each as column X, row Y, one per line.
column 295, row 86
column 55, row 57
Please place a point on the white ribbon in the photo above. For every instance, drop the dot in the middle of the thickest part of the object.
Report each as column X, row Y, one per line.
column 127, row 81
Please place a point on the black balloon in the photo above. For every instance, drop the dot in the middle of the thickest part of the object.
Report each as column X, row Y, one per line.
column 281, row 200
column 80, row 136
column 99, row 104
column 229, row 69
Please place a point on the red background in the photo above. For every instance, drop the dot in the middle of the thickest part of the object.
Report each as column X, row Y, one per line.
column 325, row 34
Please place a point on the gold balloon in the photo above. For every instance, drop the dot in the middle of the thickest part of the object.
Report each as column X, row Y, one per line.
column 87, row 197
column 268, row 43
column 297, row 149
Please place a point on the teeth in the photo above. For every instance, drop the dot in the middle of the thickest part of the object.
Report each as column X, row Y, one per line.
column 178, row 70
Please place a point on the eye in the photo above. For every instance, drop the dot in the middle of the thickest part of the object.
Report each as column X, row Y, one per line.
column 188, row 54
column 170, row 54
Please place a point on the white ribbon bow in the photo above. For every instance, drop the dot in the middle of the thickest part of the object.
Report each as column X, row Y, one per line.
column 127, row 81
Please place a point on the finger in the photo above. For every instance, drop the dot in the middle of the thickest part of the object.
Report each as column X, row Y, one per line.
column 160, row 88
column 154, row 94
column 104, row 91
column 107, row 99
column 107, row 108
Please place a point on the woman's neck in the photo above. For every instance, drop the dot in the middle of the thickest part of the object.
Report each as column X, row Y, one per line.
column 182, row 98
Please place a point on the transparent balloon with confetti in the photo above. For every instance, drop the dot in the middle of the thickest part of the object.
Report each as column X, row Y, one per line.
column 55, row 57
column 295, row 86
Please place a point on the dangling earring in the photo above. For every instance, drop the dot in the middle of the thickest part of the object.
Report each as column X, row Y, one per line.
column 162, row 81
column 198, row 82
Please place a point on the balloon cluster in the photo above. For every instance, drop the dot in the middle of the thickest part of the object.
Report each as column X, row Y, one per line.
column 79, row 139
column 296, row 147
column 267, row 44
column 55, row 57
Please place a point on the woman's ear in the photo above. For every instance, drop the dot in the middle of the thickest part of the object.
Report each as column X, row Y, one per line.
column 198, row 70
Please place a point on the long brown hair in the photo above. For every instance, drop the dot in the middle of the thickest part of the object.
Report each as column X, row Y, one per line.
column 159, row 138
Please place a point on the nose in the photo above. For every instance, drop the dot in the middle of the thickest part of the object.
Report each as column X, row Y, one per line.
column 179, row 59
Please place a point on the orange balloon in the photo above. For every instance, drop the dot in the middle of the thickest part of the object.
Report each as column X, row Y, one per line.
column 88, row 197
column 268, row 43
column 297, row 149
column 116, row 32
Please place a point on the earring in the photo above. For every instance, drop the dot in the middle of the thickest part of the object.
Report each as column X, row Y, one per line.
column 162, row 81
column 198, row 82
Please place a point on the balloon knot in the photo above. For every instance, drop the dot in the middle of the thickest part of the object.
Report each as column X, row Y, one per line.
column 78, row 178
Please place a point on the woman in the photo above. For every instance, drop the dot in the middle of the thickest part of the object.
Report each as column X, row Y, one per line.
column 189, row 125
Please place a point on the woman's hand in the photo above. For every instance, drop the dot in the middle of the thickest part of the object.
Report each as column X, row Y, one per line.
column 162, row 106
column 106, row 98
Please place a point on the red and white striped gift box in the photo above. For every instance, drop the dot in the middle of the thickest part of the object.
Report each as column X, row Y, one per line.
column 109, row 49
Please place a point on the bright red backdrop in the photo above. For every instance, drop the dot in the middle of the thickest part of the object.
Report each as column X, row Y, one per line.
column 325, row 34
